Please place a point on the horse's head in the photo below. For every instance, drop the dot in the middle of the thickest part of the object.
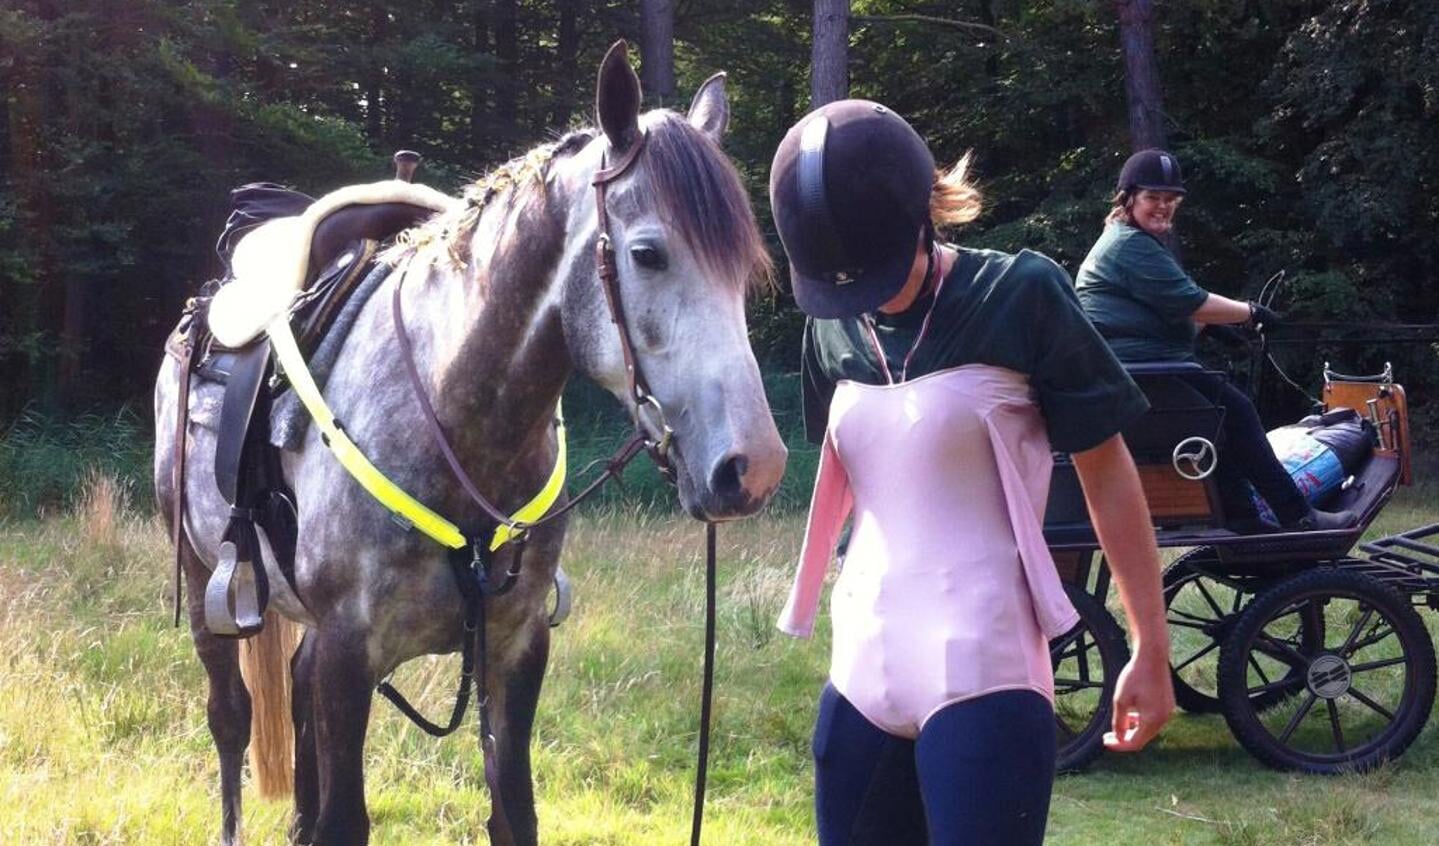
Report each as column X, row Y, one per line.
column 686, row 250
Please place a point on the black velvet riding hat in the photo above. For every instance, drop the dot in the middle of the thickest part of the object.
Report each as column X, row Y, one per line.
column 850, row 187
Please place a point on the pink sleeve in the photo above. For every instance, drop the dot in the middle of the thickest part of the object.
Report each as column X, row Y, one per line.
column 827, row 512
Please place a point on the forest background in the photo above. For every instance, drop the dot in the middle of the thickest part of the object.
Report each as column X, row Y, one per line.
column 1306, row 130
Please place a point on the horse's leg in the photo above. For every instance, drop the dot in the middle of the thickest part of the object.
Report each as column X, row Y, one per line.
column 516, row 689
column 340, row 688
column 228, row 710
column 307, row 773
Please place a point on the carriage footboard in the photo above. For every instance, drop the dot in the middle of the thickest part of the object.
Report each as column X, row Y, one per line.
column 1408, row 561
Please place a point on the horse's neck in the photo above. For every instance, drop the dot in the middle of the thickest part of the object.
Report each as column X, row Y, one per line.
column 498, row 370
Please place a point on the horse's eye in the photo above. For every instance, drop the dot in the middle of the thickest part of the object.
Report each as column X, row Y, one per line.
column 648, row 257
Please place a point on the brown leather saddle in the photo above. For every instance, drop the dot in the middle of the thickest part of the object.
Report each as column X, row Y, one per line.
column 263, row 512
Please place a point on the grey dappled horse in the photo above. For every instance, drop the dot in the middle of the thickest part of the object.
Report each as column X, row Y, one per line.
column 501, row 310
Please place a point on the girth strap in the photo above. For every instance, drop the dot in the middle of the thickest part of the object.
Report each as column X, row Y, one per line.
column 182, row 427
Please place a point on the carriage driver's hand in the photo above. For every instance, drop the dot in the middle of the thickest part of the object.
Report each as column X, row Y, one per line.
column 1263, row 317
column 1143, row 702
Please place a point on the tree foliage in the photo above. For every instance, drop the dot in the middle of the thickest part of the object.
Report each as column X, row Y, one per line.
column 1305, row 128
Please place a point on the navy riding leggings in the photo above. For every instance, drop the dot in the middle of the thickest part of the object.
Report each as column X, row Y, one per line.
column 1247, row 454
column 979, row 774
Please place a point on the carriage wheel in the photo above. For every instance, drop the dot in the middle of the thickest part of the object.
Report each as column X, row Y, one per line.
column 1086, row 662
column 1356, row 697
column 1201, row 609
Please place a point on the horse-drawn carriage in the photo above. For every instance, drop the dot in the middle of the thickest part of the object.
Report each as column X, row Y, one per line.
column 1314, row 654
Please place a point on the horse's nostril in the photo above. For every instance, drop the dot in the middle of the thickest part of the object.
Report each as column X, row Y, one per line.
column 727, row 477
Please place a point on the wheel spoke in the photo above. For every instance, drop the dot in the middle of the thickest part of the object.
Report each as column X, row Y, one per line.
column 1359, row 694
column 1185, row 624
column 1281, row 650
column 1195, row 617
column 1374, row 665
column 1298, row 717
column 1312, row 624
column 1060, row 657
column 1218, row 612
column 1285, row 684
column 1066, row 641
column 1370, row 639
column 1258, row 669
column 1347, row 648
column 1334, row 724
column 1082, row 650
column 1213, row 645
column 1072, row 685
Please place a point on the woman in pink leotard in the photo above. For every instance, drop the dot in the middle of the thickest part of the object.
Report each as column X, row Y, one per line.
column 937, row 380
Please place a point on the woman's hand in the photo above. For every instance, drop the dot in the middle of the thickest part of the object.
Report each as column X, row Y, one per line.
column 1143, row 701
column 1144, row 696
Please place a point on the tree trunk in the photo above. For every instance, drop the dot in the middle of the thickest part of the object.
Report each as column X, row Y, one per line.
column 22, row 318
column 657, row 49
column 480, row 131
column 829, row 54
column 1141, row 74
column 507, row 52
column 1141, row 86
column 375, row 84
column 567, row 47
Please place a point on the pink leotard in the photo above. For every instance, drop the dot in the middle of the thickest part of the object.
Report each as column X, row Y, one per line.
column 948, row 590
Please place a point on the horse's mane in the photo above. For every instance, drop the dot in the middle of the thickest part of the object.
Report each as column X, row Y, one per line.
column 697, row 188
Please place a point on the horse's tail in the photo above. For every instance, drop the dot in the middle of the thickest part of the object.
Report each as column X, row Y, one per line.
column 264, row 661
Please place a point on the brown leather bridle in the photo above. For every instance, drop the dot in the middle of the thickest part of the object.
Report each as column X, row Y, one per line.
column 649, row 414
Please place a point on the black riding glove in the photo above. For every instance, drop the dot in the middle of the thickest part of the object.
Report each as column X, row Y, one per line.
column 1260, row 315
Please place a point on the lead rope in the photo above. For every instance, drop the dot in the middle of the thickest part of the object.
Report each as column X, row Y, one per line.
column 707, row 688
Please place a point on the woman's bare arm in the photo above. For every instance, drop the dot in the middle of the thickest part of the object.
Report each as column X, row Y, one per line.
column 1217, row 309
column 1144, row 697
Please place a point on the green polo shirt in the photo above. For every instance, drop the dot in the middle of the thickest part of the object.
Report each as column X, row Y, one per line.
column 1139, row 297
column 1013, row 311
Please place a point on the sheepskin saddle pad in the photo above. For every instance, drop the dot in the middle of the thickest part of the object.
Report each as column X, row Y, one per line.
column 274, row 262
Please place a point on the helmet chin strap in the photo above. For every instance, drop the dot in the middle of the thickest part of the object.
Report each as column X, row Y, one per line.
column 932, row 264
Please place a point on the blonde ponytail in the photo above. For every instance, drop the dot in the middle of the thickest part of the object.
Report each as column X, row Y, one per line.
column 955, row 199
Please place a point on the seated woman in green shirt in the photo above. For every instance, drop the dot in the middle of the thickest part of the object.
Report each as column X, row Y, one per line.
column 1148, row 309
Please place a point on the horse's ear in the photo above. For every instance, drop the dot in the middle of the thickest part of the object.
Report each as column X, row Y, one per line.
column 709, row 110
column 617, row 97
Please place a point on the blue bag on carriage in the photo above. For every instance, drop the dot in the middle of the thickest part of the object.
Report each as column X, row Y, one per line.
column 1320, row 452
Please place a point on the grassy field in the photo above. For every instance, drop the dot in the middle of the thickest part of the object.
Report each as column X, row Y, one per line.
column 103, row 738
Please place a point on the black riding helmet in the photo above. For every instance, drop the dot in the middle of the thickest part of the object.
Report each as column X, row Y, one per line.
column 1153, row 170
column 849, row 188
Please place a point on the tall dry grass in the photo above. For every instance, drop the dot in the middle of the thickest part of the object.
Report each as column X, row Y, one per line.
column 103, row 736
column 103, row 504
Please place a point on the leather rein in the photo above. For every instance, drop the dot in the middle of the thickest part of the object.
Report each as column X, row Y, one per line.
column 652, row 434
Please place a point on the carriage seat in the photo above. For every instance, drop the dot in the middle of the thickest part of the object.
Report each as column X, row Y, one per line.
column 273, row 263
column 1182, row 405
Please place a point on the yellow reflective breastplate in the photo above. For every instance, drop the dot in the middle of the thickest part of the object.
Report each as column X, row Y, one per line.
column 386, row 492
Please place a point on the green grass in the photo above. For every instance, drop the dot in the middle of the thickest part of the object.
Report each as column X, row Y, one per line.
column 103, row 738
column 44, row 460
